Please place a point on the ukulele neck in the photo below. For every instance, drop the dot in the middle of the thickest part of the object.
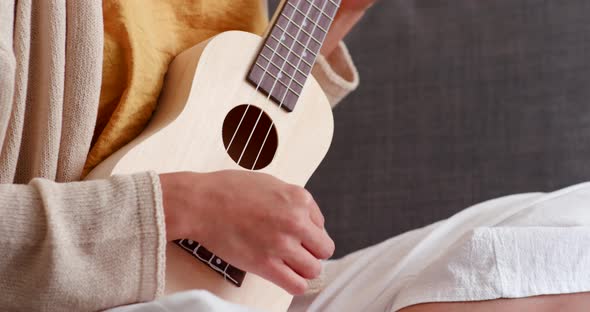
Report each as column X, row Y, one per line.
column 290, row 49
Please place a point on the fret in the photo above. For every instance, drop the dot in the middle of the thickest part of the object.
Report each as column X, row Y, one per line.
column 282, row 84
column 190, row 244
column 203, row 254
column 286, row 58
column 299, row 56
column 280, row 63
column 293, row 38
column 281, row 52
column 276, row 91
column 290, row 72
column 323, row 13
column 281, row 35
column 234, row 274
column 305, row 32
column 287, row 26
column 286, row 32
column 218, row 264
column 303, row 71
column 229, row 272
column 290, row 30
column 305, row 17
column 330, row 12
column 288, row 62
column 279, row 78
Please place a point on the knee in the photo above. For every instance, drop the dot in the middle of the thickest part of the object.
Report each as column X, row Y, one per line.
column 545, row 303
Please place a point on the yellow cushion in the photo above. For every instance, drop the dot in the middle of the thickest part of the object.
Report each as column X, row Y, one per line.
column 141, row 38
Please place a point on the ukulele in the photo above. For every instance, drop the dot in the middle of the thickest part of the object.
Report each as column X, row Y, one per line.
column 238, row 101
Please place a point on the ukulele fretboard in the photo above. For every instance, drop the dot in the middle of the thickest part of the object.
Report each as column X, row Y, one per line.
column 229, row 272
column 291, row 48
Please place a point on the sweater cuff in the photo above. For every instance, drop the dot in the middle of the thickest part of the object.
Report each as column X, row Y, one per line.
column 94, row 244
column 149, row 197
column 336, row 74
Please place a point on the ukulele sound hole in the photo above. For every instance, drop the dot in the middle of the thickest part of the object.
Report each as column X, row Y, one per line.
column 253, row 144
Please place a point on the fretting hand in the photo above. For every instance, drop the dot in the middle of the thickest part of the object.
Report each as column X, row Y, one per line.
column 351, row 11
column 270, row 228
column 356, row 5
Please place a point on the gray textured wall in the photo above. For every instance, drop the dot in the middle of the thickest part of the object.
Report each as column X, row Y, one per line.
column 460, row 101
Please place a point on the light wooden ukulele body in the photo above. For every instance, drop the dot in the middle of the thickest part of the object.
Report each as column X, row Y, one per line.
column 202, row 86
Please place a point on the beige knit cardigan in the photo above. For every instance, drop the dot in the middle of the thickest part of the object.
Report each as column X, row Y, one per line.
column 66, row 245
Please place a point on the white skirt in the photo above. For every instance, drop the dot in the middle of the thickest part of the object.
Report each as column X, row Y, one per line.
column 511, row 247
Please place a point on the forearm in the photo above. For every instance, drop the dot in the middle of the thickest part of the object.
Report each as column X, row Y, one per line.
column 80, row 246
column 345, row 20
column 335, row 70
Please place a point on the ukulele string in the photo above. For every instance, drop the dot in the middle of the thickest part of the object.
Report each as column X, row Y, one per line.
column 315, row 24
column 280, row 72
column 255, row 92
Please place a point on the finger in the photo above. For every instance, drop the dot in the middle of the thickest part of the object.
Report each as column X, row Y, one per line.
column 316, row 214
column 282, row 275
column 357, row 5
column 303, row 263
column 317, row 242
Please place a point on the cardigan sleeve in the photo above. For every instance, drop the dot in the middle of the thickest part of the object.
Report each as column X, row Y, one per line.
column 81, row 246
column 336, row 74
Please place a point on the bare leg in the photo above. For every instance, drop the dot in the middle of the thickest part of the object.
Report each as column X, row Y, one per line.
column 566, row 302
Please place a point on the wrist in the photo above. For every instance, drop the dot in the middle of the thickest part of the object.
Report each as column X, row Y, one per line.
column 172, row 185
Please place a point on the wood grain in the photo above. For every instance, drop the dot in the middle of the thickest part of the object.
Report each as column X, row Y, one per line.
column 203, row 84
